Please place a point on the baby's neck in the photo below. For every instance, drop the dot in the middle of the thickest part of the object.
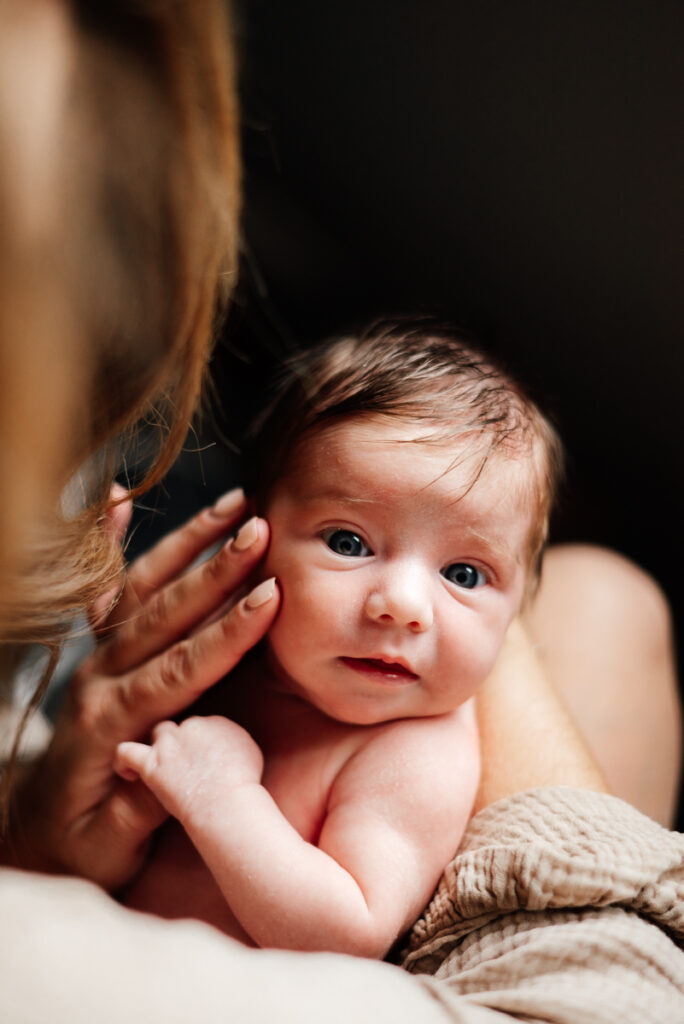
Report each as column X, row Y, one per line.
column 254, row 691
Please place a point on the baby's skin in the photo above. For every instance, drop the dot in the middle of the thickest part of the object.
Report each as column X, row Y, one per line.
column 318, row 834
column 328, row 782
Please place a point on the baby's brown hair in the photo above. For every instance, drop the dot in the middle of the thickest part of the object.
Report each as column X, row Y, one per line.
column 416, row 370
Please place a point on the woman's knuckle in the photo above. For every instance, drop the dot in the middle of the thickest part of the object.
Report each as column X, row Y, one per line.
column 125, row 817
column 114, row 647
column 229, row 624
column 214, row 568
column 156, row 616
column 235, row 635
column 176, row 665
column 140, row 581
column 98, row 717
column 127, row 696
column 194, row 531
column 86, row 702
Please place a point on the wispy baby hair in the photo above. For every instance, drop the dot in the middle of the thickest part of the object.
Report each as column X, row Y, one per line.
column 416, row 370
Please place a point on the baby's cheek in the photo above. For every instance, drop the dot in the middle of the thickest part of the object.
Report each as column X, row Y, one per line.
column 319, row 614
column 491, row 644
column 289, row 637
column 476, row 655
column 275, row 638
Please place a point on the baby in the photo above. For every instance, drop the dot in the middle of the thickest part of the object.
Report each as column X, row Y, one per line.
column 407, row 483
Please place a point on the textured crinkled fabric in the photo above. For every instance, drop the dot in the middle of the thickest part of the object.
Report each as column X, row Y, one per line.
column 562, row 905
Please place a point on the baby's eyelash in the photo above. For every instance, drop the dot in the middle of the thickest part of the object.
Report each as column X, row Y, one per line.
column 345, row 542
column 464, row 575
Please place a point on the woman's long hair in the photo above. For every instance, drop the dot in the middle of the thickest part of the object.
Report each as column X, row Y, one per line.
column 119, row 194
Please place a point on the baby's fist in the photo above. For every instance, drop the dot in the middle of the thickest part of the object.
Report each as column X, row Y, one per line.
column 189, row 766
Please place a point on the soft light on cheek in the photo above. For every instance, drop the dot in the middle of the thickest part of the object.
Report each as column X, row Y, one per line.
column 345, row 597
column 346, row 618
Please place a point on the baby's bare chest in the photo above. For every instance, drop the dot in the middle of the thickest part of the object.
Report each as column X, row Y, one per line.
column 302, row 759
column 304, row 751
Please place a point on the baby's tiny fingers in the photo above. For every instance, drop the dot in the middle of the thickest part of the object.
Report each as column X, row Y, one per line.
column 162, row 729
column 131, row 760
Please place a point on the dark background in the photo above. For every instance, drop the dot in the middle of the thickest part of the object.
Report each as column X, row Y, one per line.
column 513, row 166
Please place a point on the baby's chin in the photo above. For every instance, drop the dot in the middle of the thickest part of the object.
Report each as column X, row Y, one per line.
column 347, row 715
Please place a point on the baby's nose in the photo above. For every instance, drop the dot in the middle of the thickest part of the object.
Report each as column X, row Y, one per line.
column 401, row 602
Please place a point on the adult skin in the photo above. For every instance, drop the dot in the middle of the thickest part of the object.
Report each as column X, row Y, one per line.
column 604, row 637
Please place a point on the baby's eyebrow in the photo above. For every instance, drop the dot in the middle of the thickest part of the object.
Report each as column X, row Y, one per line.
column 499, row 549
column 350, row 500
column 341, row 498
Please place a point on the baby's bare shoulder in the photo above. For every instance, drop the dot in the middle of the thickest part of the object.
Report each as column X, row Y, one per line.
column 434, row 761
column 436, row 738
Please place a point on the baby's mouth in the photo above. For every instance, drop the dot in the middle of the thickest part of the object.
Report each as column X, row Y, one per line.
column 379, row 667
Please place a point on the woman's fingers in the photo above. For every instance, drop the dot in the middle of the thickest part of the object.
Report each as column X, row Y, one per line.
column 180, row 606
column 175, row 552
column 172, row 681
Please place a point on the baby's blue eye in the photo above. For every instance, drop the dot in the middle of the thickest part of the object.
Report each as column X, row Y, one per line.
column 344, row 542
column 464, row 575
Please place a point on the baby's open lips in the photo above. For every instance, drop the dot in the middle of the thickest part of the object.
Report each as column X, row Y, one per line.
column 385, row 666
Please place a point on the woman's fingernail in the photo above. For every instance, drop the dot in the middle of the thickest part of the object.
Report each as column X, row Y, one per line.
column 261, row 594
column 246, row 536
column 228, row 503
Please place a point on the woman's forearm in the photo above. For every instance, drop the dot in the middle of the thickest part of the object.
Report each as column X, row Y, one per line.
column 528, row 738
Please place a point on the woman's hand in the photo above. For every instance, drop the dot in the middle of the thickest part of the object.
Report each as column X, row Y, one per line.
column 162, row 646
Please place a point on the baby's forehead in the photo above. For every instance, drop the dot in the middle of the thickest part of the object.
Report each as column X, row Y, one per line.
column 453, row 444
column 369, row 458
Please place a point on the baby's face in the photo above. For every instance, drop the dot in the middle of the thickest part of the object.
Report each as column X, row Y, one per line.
column 398, row 581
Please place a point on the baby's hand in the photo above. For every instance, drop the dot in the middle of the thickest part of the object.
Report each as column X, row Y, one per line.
column 188, row 765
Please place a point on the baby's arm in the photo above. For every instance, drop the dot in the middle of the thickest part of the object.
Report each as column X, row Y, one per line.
column 396, row 814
